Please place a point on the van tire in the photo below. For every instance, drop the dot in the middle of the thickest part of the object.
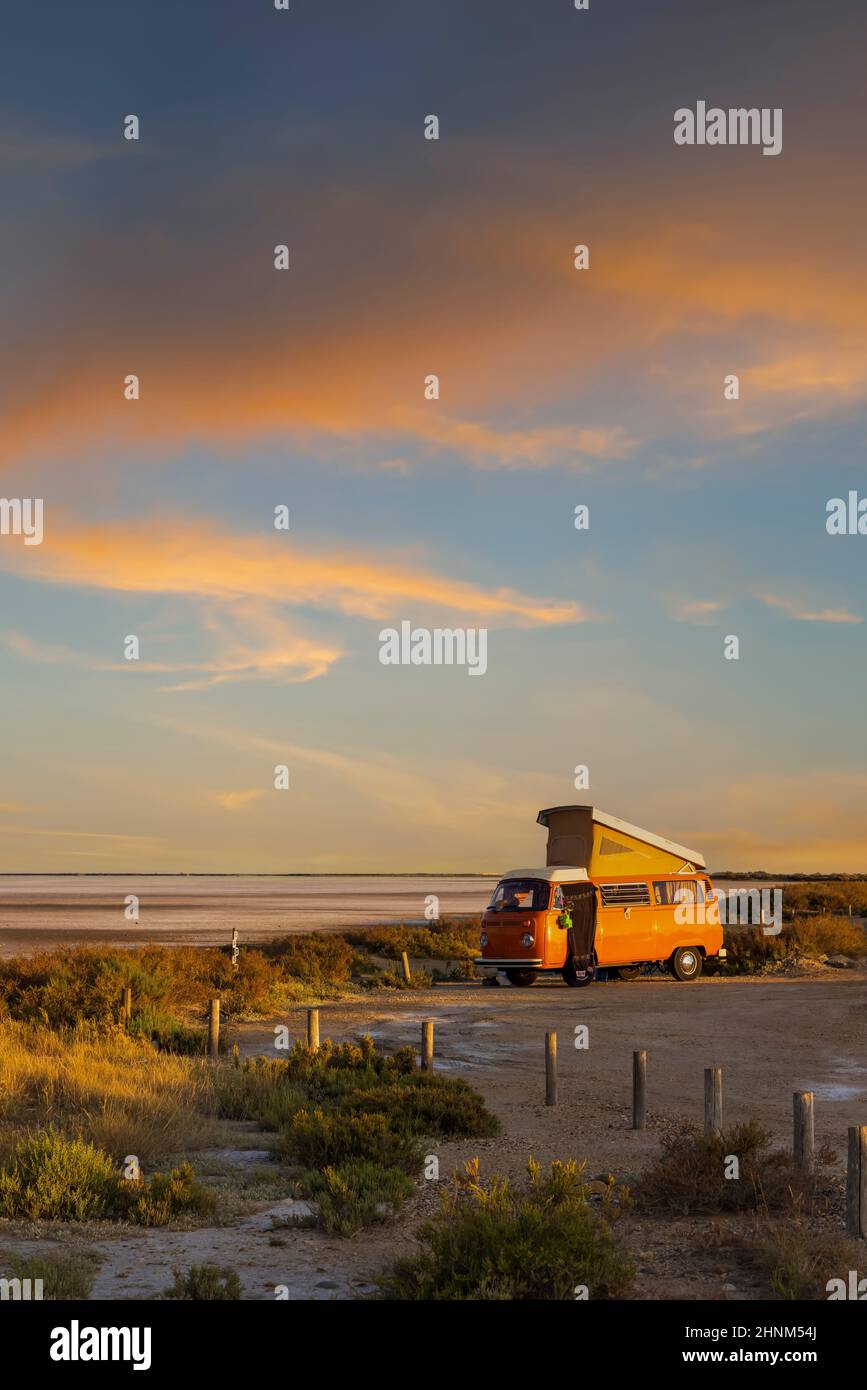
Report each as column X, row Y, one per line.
column 685, row 963
column 574, row 981
column 522, row 978
column 628, row 972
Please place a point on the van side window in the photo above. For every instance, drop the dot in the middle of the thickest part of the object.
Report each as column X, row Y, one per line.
column 671, row 891
column 557, row 901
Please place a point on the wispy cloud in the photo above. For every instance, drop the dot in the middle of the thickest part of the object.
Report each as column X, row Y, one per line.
column 802, row 614
column 165, row 556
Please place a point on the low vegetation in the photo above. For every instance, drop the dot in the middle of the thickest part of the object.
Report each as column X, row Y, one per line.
column 206, row 1283
column 117, row 1092
column 806, row 938
column 494, row 1241
column 800, row 1263
column 352, row 1121
column 692, row 1175
column 63, row 1274
column 50, row 1177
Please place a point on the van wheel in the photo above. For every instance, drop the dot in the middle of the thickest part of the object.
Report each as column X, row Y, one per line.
column 685, row 963
column 521, row 978
column 576, row 981
column 628, row 972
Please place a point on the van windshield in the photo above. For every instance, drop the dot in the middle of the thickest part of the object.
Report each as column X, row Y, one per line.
column 520, row 895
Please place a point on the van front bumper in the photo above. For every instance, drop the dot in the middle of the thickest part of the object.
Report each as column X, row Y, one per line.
column 511, row 964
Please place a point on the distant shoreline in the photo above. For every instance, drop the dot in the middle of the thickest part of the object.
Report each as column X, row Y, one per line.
column 757, row 875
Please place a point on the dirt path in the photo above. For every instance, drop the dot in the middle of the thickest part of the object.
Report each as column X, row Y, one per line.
column 770, row 1036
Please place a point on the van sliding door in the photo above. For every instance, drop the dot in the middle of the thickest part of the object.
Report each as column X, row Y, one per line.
column 581, row 902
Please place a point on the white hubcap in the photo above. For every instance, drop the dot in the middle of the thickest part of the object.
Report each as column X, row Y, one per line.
column 687, row 962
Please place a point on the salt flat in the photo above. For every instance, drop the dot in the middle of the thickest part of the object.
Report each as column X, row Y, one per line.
column 41, row 912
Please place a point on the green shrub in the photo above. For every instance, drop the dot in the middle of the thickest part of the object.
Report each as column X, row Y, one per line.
column 800, row 1262
column 690, row 1174
column 355, row 1194
column 491, row 1242
column 163, row 1198
column 322, row 960
column 426, row 1104
column 54, row 1178
column 205, row 1282
column 260, row 1089
column 315, row 1139
column 64, row 1276
column 447, row 939
column 167, row 1034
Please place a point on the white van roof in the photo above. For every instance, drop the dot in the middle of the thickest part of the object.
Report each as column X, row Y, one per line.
column 553, row 873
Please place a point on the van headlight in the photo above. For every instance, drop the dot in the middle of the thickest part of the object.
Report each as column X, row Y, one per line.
column 527, row 939
column 483, row 939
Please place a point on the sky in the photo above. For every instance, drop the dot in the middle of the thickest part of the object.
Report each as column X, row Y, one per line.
column 305, row 388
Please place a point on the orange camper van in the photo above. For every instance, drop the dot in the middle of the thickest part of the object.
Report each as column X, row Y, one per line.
column 631, row 900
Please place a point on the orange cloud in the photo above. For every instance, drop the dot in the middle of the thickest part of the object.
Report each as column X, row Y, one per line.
column 203, row 561
column 483, row 295
column 796, row 610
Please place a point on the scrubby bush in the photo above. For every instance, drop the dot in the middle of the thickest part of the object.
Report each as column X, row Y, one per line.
column 64, row 1275
column 426, row 1104
column 163, row 1198
column 319, row 1140
column 491, row 1241
column 323, row 961
column 355, row 1194
column 205, row 1282
column 799, row 1262
column 446, row 939
column 53, row 1178
column 690, row 1174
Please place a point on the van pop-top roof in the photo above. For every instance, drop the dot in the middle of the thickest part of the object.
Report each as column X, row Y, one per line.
column 607, row 847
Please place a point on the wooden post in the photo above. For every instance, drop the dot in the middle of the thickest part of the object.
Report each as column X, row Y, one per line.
column 713, row 1100
column 313, row 1029
column 127, row 1005
column 407, row 973
column 803, row 1140
column 639, row 1089
column 235, row 948
column 214, row 1028
column 856, row 1183
column 550, row 1068
column 427, row 1045
column 236, row 1055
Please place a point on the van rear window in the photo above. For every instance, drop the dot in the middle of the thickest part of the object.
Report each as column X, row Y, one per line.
column 625, row 894
column 520, row 895
column 676, row 891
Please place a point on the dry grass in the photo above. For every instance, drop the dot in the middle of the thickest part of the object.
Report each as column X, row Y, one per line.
column 112, row 1090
